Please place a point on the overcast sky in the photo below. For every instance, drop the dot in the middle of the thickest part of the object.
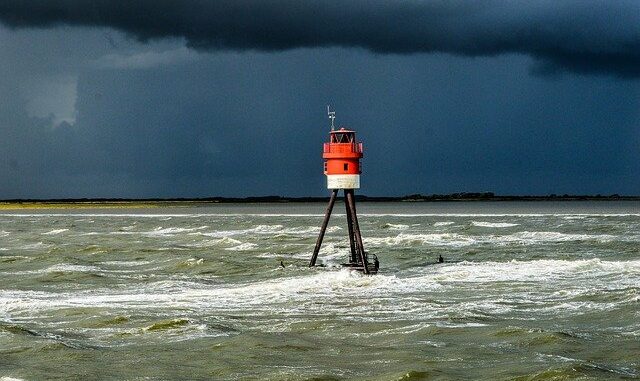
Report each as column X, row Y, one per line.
column 228, row 98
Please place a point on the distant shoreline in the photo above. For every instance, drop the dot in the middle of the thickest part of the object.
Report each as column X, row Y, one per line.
column 184, row 202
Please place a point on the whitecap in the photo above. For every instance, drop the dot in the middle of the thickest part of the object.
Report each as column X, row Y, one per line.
column 215, row 242
column 125, row 263
column 200, row 215
column 296, row 296
column 63, row 267
column 493, row 224
column 35, row 246
column 270, row 255
column 305, row 230
column 260, row 229
column 459, row 325
column 531, row 271
column 528, row 237
column 228, row 241
column 443, row 223
column 160, row 231
column 194, row 261
column 436, row 239
column 55, row 231
column 461, row 240
column 243, row 247
column 395, row 226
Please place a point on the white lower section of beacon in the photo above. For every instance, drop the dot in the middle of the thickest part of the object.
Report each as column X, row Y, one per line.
column 343, row 181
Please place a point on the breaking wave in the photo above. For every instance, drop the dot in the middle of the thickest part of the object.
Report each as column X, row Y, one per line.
column 395, row 226
column 55, row 231
column 243, row 247
column 493, row 224
column 459, row 240
column 327, row 284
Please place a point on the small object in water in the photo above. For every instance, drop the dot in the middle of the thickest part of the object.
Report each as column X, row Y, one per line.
column 281, row 264
column 440, row 259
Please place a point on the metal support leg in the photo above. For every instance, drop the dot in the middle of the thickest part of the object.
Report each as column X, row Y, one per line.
column 327, row 215
column 352, row 207
column 352, row 244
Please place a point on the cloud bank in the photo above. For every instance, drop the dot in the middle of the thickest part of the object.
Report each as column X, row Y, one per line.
column 588, row 36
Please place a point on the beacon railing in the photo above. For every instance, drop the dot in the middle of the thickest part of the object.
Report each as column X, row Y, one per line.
column 342, row 147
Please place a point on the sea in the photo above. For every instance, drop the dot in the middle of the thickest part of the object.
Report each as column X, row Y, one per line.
column 528, row 291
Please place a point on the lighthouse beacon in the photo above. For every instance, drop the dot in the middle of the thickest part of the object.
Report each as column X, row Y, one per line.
column 342, row 159
column 342, row 156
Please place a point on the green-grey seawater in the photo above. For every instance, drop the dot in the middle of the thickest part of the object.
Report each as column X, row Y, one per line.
column 530, row 291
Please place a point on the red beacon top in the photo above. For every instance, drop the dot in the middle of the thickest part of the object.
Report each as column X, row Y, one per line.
column 342, row 158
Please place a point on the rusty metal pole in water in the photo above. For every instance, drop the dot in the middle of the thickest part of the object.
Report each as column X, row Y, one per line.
column 352, row 244
column 356, row 228
column 327, row 215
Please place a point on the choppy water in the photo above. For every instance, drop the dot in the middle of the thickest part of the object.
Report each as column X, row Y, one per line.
column 534, row 291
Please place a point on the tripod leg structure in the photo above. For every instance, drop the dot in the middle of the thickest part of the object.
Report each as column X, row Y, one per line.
column 327, row 215
column 356, row 229
column 352, row 242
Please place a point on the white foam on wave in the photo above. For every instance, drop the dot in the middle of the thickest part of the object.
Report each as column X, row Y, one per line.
column 459, row 325
column 174, row 294
column 270, row 255
column 396, row 226
column 260, row 229
column 35, row 246
column 499, row 214
column 527, row 237
column 60, row 268
column 194, row 261
column 160, row 231
column 401, row 330
column 443, row 223
column 136, row 215
column 268, row 230
column 4, row 233
column 126, row 263
column 55, row 231
column 63, row 267
column 68, row 268
column 243, row 247
column 227, row 241
column 330, row 254
column 304, row 230
column 537, row 270
column 423, row 295
column 461, row 240
column 486, row 224
column 198, row 215
column 224, row 241
column 435, row 239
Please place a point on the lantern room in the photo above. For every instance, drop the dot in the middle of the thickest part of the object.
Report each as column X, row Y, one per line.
column 342, row 156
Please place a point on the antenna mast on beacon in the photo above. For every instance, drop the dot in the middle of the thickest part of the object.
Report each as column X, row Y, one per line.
column 342, row 156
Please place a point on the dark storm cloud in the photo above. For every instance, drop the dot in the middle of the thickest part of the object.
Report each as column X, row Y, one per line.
column 578, row 36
